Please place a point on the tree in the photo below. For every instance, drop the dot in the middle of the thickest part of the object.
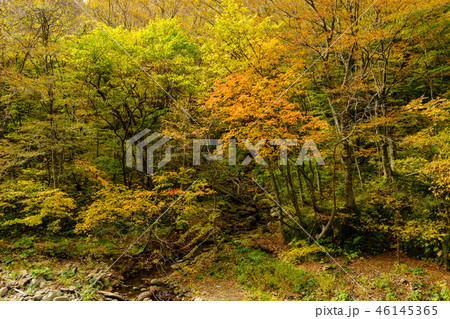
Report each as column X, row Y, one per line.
column 130, row 85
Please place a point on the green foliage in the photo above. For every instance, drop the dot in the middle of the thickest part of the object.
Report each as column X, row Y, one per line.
column 383, row 281
column 342, row 296
column 376, row 103
column 442, row 293
column 256, row 270
column 417, row 271
column 44, row 271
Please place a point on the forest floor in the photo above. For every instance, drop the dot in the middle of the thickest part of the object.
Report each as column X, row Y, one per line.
column 380, row 276
column 217, row 275
column 251, row 267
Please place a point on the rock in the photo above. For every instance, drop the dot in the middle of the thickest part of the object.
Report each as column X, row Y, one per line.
column 147, row 299
column 135, row 288
column 42, row 284
column 3, row 291
column 62, row 298
column 23, row 282
column 23, row 293
column 144, row 295
column 112, row 295
column 143, row 289
column 50, row 296
column 198, row 299
column 10, row 284
column 38, row 297
column 154, row 289
column 148, row 294
column 41, row 292
column 37, row 281
column 156, row 282
column 71, row 289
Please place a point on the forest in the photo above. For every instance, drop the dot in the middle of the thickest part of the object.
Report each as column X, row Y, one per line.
column 326, row 175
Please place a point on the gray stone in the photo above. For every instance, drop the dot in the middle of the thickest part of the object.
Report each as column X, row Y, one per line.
column 50, row 296
column 156, row 282
column 112, row 295
column 143, row 289
column 37, row 281
column 3, row 291
column 154, row 289
column 22, row 282
column 41, row 292
column 62, row 298
column 11, row 284
column 144, row 295
column 38, row 297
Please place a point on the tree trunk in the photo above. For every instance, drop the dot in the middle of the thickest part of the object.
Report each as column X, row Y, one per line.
column 348, row 175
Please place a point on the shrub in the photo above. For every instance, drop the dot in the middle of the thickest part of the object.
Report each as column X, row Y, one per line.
column 258, row 271
column 297, row 255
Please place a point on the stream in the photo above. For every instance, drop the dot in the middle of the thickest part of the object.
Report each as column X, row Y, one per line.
column 154, row 283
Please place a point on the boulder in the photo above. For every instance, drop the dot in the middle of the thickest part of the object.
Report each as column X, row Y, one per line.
column 50, row 296
column 62, row 298
column 23, row 282
column 112, row 295
column 144, row 295
column 41, row 292
column 37, row 281
column 156, row 282
column 3, row 291
column 38, row 297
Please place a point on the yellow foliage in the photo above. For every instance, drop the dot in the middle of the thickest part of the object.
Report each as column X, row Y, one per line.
column 30, row 203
